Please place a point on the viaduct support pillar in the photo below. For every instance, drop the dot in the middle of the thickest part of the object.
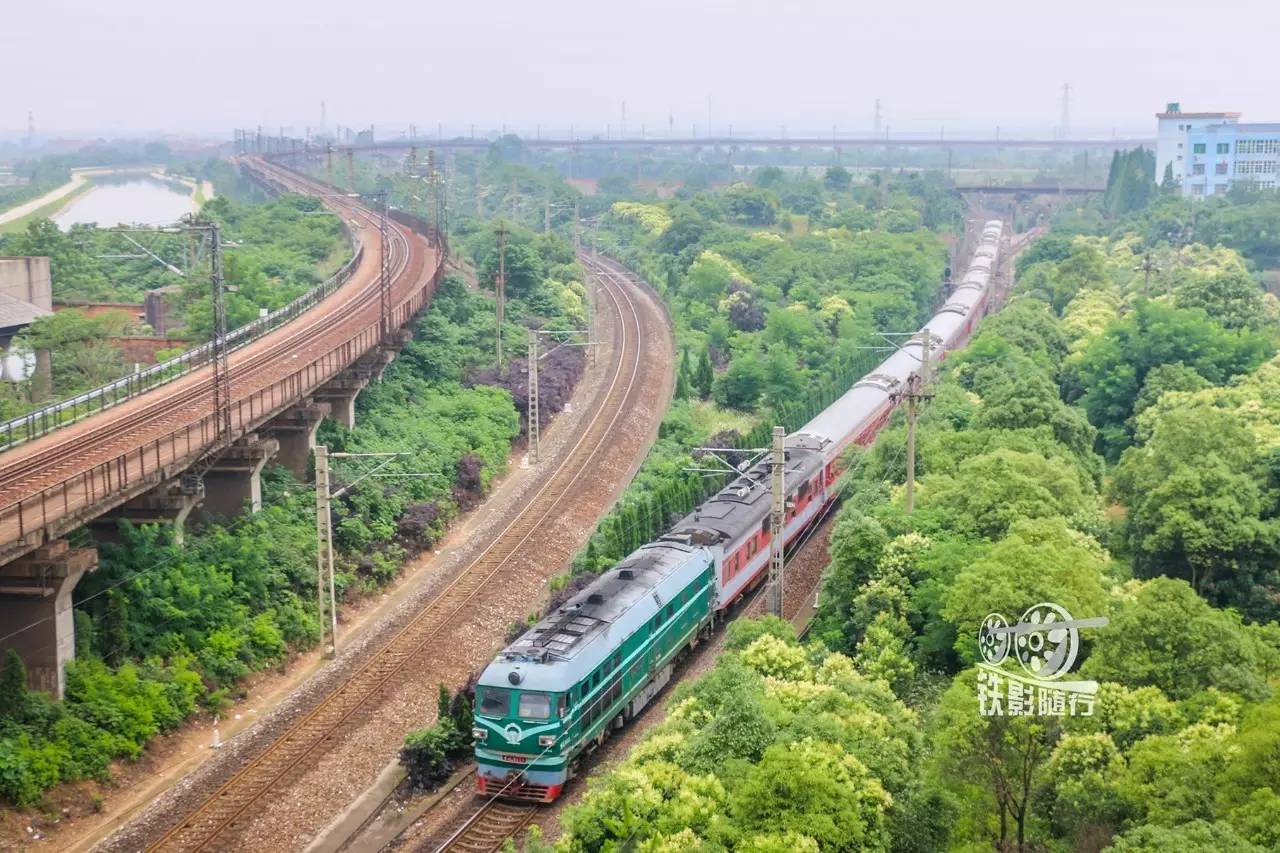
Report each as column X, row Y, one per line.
column 295, row 430
column 171, row 502
column 35, row 595
column 236, row 478
column 340, row 395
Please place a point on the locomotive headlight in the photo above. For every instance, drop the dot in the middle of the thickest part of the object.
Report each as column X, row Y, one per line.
column 546, row 740
column 478, row 735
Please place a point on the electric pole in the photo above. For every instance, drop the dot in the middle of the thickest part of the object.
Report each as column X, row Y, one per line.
column 546, row 211
column 328, row 163
column 351, row 170
column 1147, row 267
column 534, row 428
column 324, row 553
column 914, row 394
column 501, row 285
column 384, row 281
column 777, row 520
column 221, row 366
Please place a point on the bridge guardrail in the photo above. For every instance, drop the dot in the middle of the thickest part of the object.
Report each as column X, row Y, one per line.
column 68, row 411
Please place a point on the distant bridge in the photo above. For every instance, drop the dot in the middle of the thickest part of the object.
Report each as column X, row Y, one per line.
column 1036, row 189
column 248, row 142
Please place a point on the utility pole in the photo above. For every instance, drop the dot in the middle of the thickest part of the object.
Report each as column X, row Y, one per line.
column 914, row 394
column 577, row 236
column 534, row 427
column 351, row 170
column 1147, row 267
column 221, row 367
column 777, row 520
column 501, row 285
column 546, row 211
column 328, row 163
column 384, row 253
column 324, row 553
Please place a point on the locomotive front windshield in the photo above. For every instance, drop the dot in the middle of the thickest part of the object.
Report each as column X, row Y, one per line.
column 534, row 706
column 493, row 701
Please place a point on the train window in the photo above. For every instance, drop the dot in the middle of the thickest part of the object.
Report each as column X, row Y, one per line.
column 764, row 528
column 670, row 610
column 617, row 660
column 804, row 489
column 493, row 701
column 534, row 706
column 563, row 704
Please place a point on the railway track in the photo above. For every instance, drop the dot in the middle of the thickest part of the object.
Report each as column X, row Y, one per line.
column 219, row 815
column 120, row 440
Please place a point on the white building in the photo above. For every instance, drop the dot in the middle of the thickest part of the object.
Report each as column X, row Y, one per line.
column 1172, row 128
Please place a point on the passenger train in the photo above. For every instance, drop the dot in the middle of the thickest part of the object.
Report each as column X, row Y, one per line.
column 555, row 693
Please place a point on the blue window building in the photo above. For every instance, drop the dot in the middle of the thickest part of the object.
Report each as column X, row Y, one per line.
column 1223, row 155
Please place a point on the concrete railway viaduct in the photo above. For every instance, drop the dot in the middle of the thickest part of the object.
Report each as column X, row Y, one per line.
column 163, row 451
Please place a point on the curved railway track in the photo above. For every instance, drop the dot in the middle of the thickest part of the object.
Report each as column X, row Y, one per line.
column 220, row 814
column 64, row 455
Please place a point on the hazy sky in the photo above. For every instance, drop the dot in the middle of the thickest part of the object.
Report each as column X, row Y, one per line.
column 118, row 65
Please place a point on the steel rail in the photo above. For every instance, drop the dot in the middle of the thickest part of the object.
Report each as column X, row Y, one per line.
column 44, row 477
column 221, row 811
column 70, row 410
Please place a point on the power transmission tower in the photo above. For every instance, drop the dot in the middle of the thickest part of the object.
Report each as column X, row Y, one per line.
column 777, row 520
column 877, row 120
column 501, row 285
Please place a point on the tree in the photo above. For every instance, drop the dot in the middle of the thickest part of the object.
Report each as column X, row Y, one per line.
column 703, row 374
column 1039, row 560
column 1194, row 492
column 837, row 178
column 751, row 205
column 1231, row 297
column 13, row 686
column 1114, row 366
column 989, row 493
column 814, row 790
column 855, row 547
column 1163, row 635
column 740, row 386
column 1002, row 757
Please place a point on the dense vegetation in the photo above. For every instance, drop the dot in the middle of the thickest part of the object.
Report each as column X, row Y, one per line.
column 869, row 737
column 278, row 250
column 771, row 324
column 165, row 630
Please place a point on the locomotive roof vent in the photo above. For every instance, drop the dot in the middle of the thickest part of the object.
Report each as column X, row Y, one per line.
column 625, row 574
column 595, row 598
column 514, row 676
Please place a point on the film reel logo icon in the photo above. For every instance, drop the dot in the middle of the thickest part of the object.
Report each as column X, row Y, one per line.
column 1045, row 641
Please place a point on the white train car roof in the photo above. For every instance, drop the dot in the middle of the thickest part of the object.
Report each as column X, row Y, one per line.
column 848, row 414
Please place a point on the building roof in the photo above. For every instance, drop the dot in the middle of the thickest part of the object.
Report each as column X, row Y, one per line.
column 14, row 313
column 1197, row 115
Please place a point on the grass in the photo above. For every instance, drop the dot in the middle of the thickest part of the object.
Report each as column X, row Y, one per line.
column 45, row 211
column 713, row 419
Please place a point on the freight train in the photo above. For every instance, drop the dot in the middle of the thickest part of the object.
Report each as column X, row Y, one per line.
column 556, row 693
